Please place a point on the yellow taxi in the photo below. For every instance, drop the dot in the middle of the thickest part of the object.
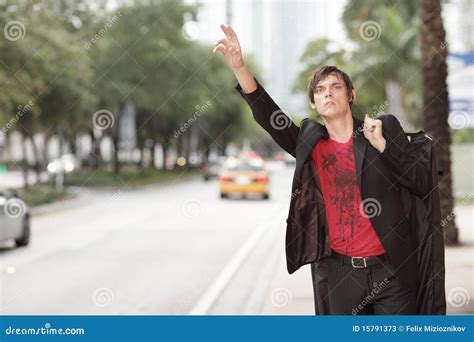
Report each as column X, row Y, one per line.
column 244, row 177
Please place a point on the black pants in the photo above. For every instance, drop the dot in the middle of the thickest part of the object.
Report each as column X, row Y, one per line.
column 374, row 290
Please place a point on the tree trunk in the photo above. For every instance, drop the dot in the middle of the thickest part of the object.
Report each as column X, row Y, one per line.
column 153, row 154
column 37, row 163
column 164, row 151
column 115, row 159
column 141, row 148
column 435, row 103
column 94, row 155
column 115, row 132
column 24, row 163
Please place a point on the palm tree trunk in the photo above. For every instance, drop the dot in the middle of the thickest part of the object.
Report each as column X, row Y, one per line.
column 435, row 103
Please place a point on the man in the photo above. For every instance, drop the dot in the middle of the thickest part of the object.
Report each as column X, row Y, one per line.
column 346, row 215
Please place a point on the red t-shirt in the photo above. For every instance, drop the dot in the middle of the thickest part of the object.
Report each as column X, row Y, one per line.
column 350, row 232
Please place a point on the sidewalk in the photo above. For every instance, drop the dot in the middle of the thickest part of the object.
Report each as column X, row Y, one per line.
column 293, row 294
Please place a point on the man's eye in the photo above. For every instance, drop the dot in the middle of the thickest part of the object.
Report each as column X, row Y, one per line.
column 319, row 90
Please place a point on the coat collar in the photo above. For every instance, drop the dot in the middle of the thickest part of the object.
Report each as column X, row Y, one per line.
column 312, row 131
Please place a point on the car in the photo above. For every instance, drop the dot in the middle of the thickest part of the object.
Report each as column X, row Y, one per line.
column 211, row 169
column 244, row 177
column 14, row 219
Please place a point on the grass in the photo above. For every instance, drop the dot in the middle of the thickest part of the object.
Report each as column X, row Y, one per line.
column 128, row 177
column 42, row 194
column 465, row 201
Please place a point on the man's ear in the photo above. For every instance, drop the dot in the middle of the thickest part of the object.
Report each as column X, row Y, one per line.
column 353, row 96
column 313, row 106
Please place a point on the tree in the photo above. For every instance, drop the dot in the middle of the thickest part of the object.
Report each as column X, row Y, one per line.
column 435, row 102
column 386, row 55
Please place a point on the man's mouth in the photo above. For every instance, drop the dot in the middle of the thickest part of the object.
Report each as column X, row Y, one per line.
column 330, row 103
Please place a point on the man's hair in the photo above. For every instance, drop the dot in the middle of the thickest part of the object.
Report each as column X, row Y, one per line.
column 323, row 72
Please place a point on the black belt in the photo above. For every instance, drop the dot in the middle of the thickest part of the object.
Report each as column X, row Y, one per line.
column 360, row 262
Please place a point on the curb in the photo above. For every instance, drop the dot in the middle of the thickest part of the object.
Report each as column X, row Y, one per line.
column 61, row 205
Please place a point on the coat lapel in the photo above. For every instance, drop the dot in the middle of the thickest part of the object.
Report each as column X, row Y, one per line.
column 310, row 134
column 360, row 146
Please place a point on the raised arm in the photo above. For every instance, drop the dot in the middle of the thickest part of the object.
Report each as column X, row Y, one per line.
column 265, row 111
column 230, row 49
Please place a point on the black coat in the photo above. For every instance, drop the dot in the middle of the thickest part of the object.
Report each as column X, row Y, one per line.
column 399, row 183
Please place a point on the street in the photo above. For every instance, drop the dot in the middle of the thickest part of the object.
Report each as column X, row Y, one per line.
column 177, row 249
column 148, row 251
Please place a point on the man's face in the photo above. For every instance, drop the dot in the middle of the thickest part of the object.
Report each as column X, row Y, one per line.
column 330, row 97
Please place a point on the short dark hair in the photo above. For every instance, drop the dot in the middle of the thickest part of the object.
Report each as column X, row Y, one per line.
column 323, row 72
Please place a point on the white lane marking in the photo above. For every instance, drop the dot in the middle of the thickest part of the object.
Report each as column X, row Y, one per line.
column 206, row 301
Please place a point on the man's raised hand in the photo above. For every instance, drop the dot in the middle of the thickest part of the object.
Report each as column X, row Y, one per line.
column 230, row 48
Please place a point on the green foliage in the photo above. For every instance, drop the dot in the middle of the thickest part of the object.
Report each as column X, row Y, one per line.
column 76, row 57
column 384, row 50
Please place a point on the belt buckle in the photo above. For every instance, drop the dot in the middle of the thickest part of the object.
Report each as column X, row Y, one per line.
column 357, row 266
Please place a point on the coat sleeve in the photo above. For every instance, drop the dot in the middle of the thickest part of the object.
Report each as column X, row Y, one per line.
column 406, row 164
column 271, row 118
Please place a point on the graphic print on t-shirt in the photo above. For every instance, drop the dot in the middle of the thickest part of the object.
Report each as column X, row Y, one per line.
column 337, row 167
column 350, row 232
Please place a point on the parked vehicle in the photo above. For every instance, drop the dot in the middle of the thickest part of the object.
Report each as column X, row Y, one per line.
column 14, row 219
